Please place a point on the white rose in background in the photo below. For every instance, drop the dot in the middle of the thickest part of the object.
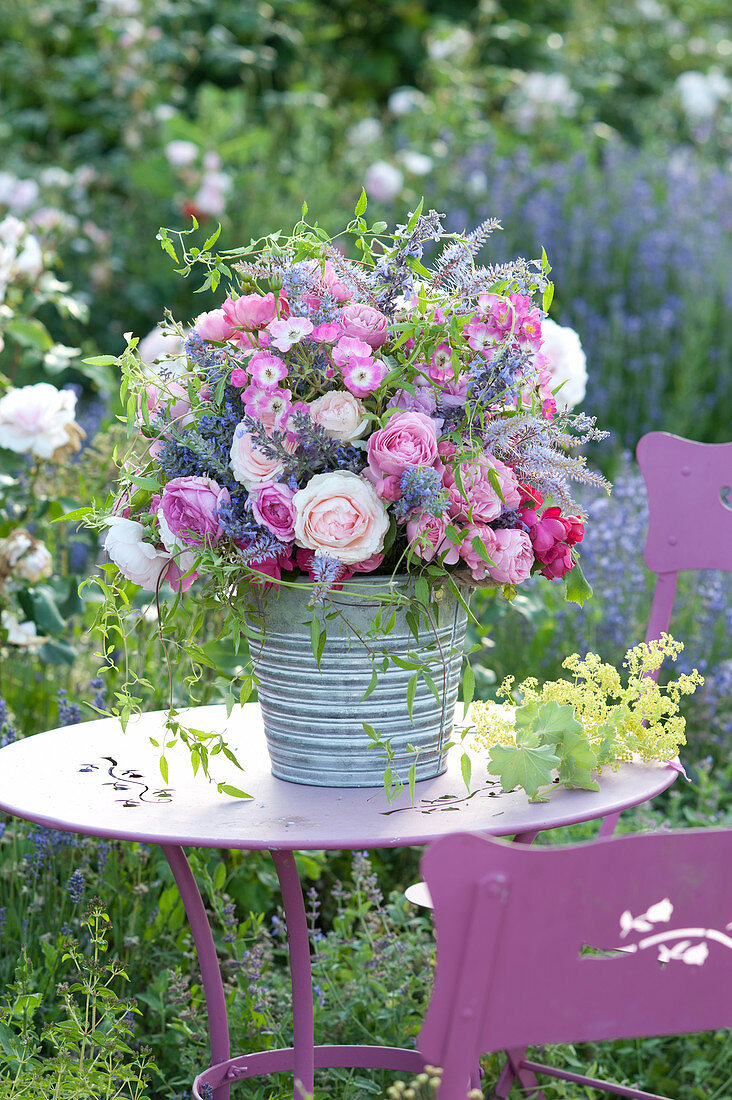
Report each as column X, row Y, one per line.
column 136, row 559
column 165, row 346
column 365, row 132
column 541, row 97
column 23, row 556
column 383, row 182
column 181, row 153
column 20, row 634
column 450, row 46
column 565, row 361
column 211, row 196
column 417, row 164
column 406, row 99
column 702, row 93
column 38, row 420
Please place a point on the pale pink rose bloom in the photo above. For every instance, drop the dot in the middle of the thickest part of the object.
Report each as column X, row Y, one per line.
column 383, row 182
column 249, row 465
column 364, row 323
column 214, row 325
column 329, row 278
column 478, row 499
column 428, row 538
column 252, row 311
column 166, row 347
column 36, row 419
column 173, row 398
column 136, row 559
column 341, row 414
column 181, row 153
column 340, row 514
column 475, row 562
column 409, row 439
column 272, row 507
column 512, row 557
column 20, row 634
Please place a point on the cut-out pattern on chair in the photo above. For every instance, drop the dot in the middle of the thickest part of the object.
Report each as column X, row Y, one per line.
column 690, row 946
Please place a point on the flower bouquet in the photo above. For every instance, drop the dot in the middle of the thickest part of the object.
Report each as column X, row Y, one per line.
column 347, row 434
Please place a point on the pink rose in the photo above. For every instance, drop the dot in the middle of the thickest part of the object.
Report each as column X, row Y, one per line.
column 512, row 557
column 250, row 465
column 349, row 350
column 409, row 439
column 189, row 506
column 272, row 507
column 253, row 311
column 364, row 323
column 328, row 279
column 368, row 565
column 341, row 415
column 214, row 325
column 479, row 499
column 340, row 514
column 428, row 538
column 173, row 398
column 477, row 534
column 557, row 562
column 423, row 399
column 545, row 532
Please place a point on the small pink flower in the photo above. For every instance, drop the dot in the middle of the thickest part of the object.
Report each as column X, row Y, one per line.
column 267, row 370
column 272, row 407
column 239, row 377
column 441, row 368
column 409, row 439
column 364, row 323
column 214, row 325
column 272, row 507
column 327, row 333
column 289, row 332
column 559, row 562
column 329, row 280
column 173, row 398
column 498, row 313
column 480, row 337
column 349, row 349
column 364, row 376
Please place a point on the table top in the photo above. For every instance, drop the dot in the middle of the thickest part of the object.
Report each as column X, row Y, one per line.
column 95, row 778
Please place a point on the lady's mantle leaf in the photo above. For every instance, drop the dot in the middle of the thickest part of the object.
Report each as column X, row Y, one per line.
column 524, row 766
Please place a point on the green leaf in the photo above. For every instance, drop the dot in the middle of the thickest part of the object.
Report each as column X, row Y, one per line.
column 315, row 639
column 466, row 769
column 578, row 761
column 577, row 589
column 432, row 686
column 235, row 792
column 411, row 778
column 372, row 684
column 361, row 204
column 468, row 687
column 422, row 592
column 212, row 239
column 30, row 333
column 523, row 766
column 411, row 689
column 554, row 721
column 164, row 769
column 479, row 547
column 101, row 361
column 220, row 876
column 40, row 605
column 548, row 297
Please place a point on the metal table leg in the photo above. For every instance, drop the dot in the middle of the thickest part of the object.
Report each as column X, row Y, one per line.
column 213, row 987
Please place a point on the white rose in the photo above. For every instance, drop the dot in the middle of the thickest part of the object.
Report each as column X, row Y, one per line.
column 406, row 99
column 341, row 515
column 383, row 182
column 135, row 558
column 184, row 559
column 417, row 163
column 701, row 93
column 37, row 419
column 249, row 464
column 30, row 258
column 26, row 557
column 166, row 346
column 20, row 634
column 341, row 414
column 181, row 153
column 566, row 362
column 367, row 131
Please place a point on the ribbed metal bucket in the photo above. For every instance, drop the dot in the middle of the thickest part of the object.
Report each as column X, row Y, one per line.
column 313, row 717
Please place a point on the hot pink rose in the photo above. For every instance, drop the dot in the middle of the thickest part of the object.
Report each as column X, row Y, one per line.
column 512, row 557
column 558, row 561
column 364, row 323
column 478, row 499
column 253, row 311
column 409, row 439
column 428, row 538
column 340, row 514
column 272, row 507
column 189, row 506
column 214, row 325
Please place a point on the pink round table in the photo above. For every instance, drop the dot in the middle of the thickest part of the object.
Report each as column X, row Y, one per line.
column 97, row 780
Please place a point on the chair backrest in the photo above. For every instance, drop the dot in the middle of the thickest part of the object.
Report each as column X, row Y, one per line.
column 689, row 488
column 517, row 927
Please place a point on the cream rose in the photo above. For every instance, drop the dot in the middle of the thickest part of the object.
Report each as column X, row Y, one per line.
column 341, row 414
column 341, row 515
column 37, row 419
column 135, row 558
column 250, row 465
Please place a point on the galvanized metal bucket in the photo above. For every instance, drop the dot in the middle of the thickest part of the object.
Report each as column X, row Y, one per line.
column 313, row 716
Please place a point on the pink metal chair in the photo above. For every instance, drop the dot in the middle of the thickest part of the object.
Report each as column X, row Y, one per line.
column 623, row 937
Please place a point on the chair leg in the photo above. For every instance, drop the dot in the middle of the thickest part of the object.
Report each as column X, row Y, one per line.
column 609, row 824
column 514, row 1071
